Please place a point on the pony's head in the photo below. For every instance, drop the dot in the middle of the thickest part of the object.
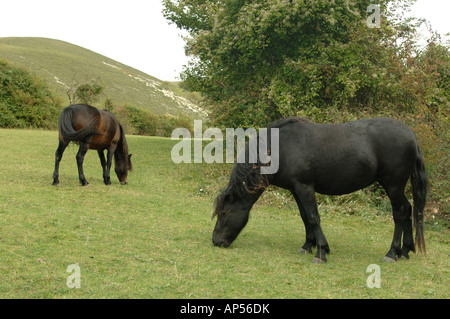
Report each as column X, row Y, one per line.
column 232, row 206
column 232, row 216
column 122, row 167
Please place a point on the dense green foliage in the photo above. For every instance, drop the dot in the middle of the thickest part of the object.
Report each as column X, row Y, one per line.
column 139, row 121
column 269, row 59
column 25, row 101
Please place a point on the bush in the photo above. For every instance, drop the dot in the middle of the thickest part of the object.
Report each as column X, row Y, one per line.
column 25, row 101
column 141, row 122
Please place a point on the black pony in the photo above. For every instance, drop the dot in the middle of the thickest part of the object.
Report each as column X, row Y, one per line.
column 93, row 129
column 332, row 159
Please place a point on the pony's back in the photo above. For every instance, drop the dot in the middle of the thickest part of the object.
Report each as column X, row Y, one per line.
column 78, row 122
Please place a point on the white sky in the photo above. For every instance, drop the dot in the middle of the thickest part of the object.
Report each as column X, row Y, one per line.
column 435, row 11
column 132, row 32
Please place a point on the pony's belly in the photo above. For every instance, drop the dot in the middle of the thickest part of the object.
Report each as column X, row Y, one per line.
column 98, row 143
column 341, row 188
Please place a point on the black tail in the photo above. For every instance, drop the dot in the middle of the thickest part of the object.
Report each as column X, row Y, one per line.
column 419, row 187
column 67, row 130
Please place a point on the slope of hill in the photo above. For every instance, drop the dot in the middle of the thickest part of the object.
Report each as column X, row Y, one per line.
column 61, row 64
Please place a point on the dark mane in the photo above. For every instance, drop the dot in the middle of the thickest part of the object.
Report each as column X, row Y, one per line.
column 121, row 153
column 246, row 177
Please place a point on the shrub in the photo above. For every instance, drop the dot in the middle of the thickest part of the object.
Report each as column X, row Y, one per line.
column 25, row 101
column 142, row 122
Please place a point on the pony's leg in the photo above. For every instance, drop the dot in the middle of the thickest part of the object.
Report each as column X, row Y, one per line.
column 408, row 239
column 109, row 163
column 58, row 156
column 310, row 237
column 308, row 209
column 106, row 178
column 401, row 210
column 80, row 159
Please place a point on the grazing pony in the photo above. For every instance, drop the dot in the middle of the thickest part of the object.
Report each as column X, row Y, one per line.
column 95, row 129
column 332, row 159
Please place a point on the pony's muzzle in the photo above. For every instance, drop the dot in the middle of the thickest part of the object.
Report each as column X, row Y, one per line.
column 220, row 243
column 124, row 182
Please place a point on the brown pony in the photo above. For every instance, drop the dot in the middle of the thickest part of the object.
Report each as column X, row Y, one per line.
column 94, row 129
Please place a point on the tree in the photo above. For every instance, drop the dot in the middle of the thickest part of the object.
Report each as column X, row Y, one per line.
column 86, row 93
column 258, row 60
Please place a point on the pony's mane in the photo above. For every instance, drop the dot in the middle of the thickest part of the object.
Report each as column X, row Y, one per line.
column 245, row 177
column 121, row 157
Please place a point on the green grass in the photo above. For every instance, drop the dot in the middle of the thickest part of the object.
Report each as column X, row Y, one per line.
column 152, row 238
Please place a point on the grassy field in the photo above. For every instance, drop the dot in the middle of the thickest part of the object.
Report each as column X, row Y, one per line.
column 152, row 238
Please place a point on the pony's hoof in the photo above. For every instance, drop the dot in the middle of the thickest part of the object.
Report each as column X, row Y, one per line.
column 304, row 251
column 389, row 260
column 317, row 260
column 55, row 184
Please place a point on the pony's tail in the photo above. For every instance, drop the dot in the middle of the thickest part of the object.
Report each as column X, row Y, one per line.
column 419, row 184
column 67, row 131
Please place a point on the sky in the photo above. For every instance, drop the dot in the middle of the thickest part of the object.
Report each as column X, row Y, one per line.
column 132, row 32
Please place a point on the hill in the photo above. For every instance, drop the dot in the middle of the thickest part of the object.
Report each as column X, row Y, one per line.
column 61, row 64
